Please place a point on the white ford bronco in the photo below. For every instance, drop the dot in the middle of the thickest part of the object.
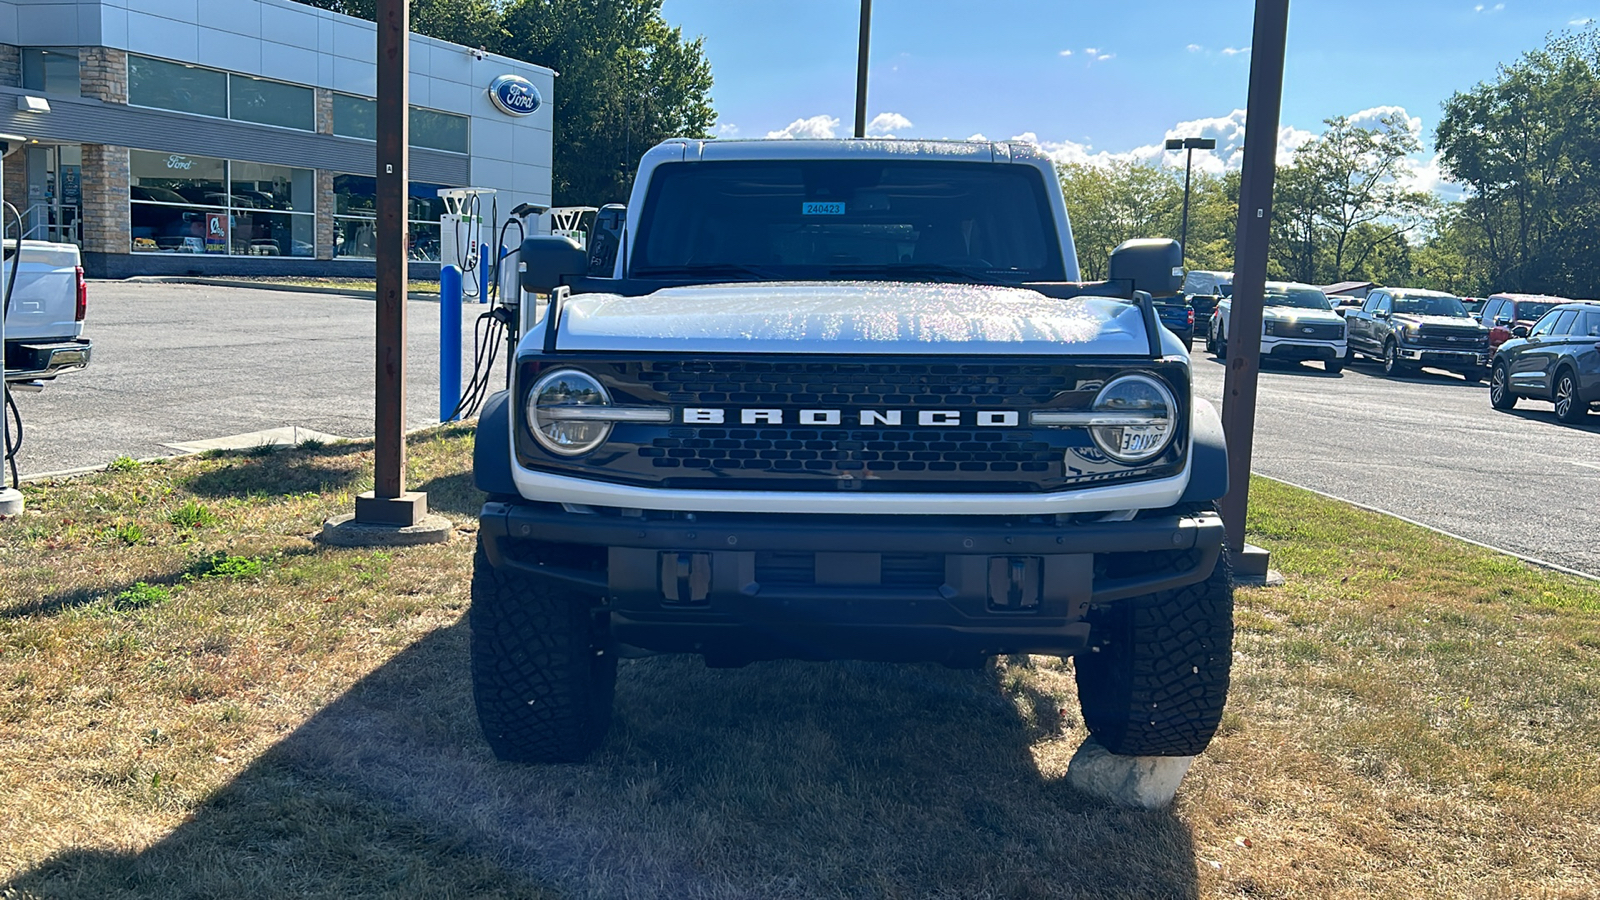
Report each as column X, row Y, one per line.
column 848, row 400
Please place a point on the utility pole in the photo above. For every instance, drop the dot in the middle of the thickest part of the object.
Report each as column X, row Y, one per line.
column 1191, row 145
column 11, row 500
column 1250, row 271
column 861, row 68
column 389, row 514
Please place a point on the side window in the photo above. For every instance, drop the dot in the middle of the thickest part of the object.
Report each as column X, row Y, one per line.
column 1372, row 303
column 1385, row 304
column 1591, row 324
column 1491, row 310
column 1543, row 326
column 1564, row 324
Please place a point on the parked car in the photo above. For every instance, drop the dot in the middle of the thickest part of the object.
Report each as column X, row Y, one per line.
column 1178, row 316
column 1297, row 324
column 49, row 300
column 1504, row 312
column 1203, row 289
column 1557, row 360
column 1408, row 328
column 1474, row 306
column 1343, row 303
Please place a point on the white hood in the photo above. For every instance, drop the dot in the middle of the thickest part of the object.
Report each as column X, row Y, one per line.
column 872, row 317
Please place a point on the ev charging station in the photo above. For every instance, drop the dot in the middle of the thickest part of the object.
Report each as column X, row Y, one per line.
column 11, row 502
column 462, row 238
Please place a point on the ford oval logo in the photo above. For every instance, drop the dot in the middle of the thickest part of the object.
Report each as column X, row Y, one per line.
column 515, row 95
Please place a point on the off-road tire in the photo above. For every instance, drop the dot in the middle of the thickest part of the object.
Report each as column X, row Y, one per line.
column 1500, row 395
column 1392, row 364
column 542, row 679
column 1154, row 678
column 1220, row 350
column 1569, row 408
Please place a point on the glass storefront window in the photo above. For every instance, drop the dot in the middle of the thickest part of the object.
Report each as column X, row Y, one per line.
column 355, row 117
column 271, row 103
column 438, row 131
column 197, row 204
column 51, row 71
column 355, row 208
column 185, row 88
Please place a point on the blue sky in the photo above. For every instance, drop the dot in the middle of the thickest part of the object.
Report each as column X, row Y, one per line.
column 1092, row 79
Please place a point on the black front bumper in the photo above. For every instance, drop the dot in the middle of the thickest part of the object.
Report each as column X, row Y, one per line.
column 744, row 587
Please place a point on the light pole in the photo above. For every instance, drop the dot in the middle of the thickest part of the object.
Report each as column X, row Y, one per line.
column 863, row 40
column 1191, row 145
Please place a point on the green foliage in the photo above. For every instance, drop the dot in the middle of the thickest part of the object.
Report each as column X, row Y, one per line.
column 1527, row 147
column 130, row 533
column 628, row 80
column 223, row 565
column 192, row 515
column 1110, row 204
column 124, row 464
column 142, row 595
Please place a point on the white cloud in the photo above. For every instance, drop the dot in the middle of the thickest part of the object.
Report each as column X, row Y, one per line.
column 1066, row 53
column 1105, row 56
column 1234, row 51
column 886, row 123
column 977, row 137
column 1090, row 50
column 728, row 130
column 1580, row 22
column 1482, row 8
column 1195, row 48
column 822, row 126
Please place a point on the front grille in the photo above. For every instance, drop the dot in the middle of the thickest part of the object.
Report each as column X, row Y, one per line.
column 906, row 570
column 855, row 452
column 1439, row 337
column 1320, row 331
column 777, row 450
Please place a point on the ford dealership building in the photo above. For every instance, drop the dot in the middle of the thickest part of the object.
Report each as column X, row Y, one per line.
column 236, row 136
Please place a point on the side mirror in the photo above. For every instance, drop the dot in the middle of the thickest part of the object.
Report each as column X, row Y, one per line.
column 1154, row 265
column 1381, row 313
column 1520, row 331
column 606, row 239
column 1502, row 320
column 548, row 260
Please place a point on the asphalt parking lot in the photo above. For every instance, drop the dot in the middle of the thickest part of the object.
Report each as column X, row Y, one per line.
column 184, row 363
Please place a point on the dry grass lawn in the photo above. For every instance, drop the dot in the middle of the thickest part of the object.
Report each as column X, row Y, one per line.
column 197, row 700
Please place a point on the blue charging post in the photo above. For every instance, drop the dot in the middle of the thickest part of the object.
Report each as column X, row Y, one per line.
column 449, row 341
column 483, row 273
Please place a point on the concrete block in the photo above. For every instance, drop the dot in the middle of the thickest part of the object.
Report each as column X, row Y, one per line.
column 1143, row 781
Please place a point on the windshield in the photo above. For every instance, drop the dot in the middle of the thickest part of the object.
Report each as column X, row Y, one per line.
column 1297, row 298
column 1225, row 290
column 839, row 219
column 1528, row 312
column 1429, row 306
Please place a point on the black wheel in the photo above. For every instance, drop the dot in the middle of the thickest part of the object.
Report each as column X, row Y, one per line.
column 541, row 676
column 1473, row 376
column 1569, row 408
column 1221, row 349
column 1188, row 343
column 1500, row 396
column 1154, row 678
column 1391, row 361
column 1333, row 366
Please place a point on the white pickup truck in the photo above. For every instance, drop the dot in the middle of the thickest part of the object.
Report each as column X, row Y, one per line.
column 44, row 311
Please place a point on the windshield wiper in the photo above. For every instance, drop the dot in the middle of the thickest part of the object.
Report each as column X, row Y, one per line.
column 916, row 269
column 709, row 270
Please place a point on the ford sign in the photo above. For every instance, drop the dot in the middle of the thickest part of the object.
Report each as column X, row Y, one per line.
column 515, row 95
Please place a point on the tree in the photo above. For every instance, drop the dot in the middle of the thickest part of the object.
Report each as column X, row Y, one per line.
column 627, row 81
column 473, row 23
column 1527, row 147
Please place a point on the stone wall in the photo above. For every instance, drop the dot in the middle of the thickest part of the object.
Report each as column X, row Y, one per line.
column 105, row 199
column 10, row 66
column 325, row 201
column 103, row 73
column 324, row 101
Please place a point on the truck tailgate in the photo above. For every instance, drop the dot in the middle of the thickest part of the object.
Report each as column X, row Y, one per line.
column 44, row 301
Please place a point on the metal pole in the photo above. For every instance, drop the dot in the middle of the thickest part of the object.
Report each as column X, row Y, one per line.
column 861, row 68
column 1188, row 165
column 449, row 342
column 1250, row 260
column 11, row 500
column 389, row 503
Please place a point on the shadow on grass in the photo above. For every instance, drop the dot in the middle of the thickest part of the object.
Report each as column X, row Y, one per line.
column 250, row 474
column 454, row 494
column 777, row 780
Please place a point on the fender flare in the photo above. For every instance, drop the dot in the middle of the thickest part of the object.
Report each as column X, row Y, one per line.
column 491, row 449
column 1208, row 456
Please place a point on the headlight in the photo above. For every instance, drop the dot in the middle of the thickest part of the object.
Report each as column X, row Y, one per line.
column 556, row 412
column 1408, row 330
column 1140, row 418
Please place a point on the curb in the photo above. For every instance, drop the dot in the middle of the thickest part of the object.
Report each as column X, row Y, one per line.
column 412, row 294
column 1531, row 560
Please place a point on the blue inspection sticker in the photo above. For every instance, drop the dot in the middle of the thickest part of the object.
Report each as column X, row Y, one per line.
column 822, row 208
